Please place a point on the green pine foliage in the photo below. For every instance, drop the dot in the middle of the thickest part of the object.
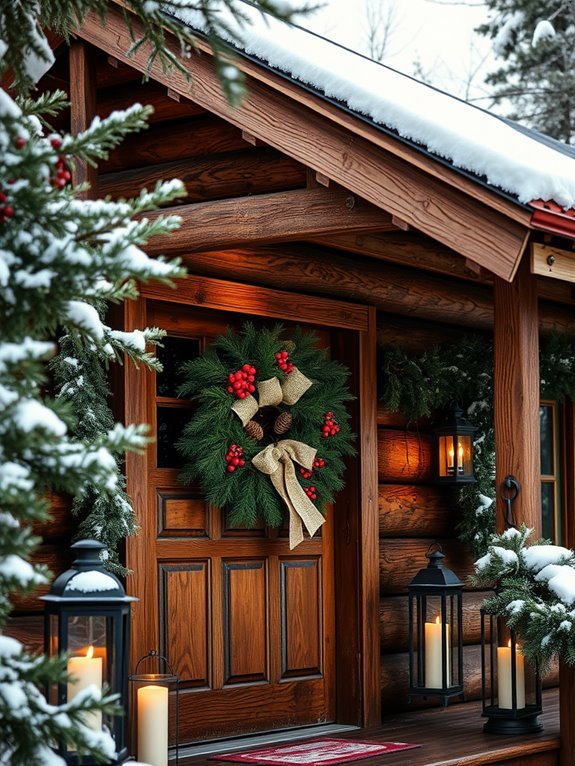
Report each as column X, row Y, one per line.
column 247, row 494
column 423, row 385
column 535, row 81
column 60, row 258
column 535, row 592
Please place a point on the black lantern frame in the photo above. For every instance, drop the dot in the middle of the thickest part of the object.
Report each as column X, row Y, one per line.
column 454, row 449
column 510, row 686
column 435, row 631
column 87, row 616
column 155, row 707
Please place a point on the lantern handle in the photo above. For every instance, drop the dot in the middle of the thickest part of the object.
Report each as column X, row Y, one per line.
column 509, row 491
column 153, row 654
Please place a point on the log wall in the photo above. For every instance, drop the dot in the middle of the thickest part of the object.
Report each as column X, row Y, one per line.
column 217, row 162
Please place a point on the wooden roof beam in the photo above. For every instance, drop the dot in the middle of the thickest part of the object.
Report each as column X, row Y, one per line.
column 267, row 218
column 478, row 224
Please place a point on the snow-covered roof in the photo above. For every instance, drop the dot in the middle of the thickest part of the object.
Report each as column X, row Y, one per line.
column 515, row 161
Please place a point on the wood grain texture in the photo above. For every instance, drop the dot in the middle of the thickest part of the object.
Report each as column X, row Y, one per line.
column 82, row 106
column 28, row 629
column 408, row 509
column 400, row 560
column 387, row 287
column 265, row 218
column 404, row 456
column 566, row 694
column 482, row 234
column 516, row 395
column 149, row 94
column 230, row 174
column 57, row 558
column 553, row 262
column 171, row 142
column 247, row 299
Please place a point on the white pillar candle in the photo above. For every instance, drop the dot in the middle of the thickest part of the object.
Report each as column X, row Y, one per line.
column 153, row 725
column 433, row 655
column 505, row 681
column 86, row 671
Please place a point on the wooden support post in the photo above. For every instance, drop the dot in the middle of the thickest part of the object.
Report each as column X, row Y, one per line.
column 82, row 106
column 516, row 395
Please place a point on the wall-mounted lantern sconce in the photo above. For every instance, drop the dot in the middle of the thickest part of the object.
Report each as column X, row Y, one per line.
column 435, row 631
column 87, row 615
column 454, row 448
column 155, row 711
column 510, row 686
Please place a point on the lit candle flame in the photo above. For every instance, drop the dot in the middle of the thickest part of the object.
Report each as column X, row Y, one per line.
column 90, row 652
column 437, row 620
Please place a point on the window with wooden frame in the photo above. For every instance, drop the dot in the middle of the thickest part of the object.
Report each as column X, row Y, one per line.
column 552, row 484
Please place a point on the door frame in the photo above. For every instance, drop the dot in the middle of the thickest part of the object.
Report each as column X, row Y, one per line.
column 356, row 532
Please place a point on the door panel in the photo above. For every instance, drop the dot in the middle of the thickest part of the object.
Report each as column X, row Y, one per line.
column 246, row 623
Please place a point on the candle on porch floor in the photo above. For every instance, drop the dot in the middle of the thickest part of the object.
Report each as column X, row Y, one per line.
column 433, row 655
column 504, row 679
column 153, row 725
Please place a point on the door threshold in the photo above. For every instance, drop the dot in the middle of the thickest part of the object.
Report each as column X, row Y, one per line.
column 269, row 738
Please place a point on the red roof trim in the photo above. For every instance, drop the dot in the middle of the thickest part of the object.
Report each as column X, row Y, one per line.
column 551, row 217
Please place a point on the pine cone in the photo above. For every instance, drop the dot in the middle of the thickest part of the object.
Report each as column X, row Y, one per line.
column 254, row 430
column 283, row 423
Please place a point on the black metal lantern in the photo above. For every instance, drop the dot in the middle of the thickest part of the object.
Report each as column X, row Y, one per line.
column 154, row 711
column 454, row 449
column 87, row 616
column 510, row 686
column 435, row 631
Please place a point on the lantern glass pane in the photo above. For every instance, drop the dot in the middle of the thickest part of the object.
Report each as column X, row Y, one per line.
column 511, row 670
column 446, row 455
column 464, row 462
column 435, row 641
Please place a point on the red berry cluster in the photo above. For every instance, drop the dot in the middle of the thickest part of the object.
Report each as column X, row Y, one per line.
column 234, row 458
column 20, row 142
column 241, row 383
column 318, row 462
column 330, row 427
column 62, row 175
column 283, row 362
column 6, row 210
column 310, row 492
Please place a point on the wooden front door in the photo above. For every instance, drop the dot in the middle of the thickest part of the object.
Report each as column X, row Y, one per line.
column 246, row 623
column 249, row 626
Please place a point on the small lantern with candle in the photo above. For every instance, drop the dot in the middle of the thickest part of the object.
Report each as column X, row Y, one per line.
column 454, row 449
column 510, row 686
column 87, row 616
column 435, row 634
column 155, row 709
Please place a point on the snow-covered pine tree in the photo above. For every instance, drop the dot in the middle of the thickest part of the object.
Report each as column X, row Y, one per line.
column 536, row 81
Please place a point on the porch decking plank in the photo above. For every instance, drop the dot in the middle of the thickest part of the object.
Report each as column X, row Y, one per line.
column 453, row 736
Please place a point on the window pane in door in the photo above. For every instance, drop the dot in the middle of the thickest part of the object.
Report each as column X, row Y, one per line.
column 547, row 439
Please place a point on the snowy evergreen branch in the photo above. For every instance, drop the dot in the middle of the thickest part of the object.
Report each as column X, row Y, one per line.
column 535, row 592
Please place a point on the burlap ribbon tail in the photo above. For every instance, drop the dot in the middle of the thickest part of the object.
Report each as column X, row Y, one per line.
column 277, row 460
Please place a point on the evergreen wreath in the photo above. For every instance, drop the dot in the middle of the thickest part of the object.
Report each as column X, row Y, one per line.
column 261, row 399
column 422, row 385
column 535, row 592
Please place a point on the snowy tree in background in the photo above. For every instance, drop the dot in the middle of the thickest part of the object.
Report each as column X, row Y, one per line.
column 536, row 40
column 62, row 260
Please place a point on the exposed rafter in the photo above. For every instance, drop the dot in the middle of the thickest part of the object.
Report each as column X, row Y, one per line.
column 269, row 218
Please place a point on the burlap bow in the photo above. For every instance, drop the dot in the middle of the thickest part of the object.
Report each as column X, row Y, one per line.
column 277, row 460
column 273, row 393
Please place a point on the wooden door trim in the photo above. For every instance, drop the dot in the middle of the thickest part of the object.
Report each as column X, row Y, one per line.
column 356, row 530
column 261, row 301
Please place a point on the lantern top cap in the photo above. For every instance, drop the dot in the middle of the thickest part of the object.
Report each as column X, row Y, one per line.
column 454, row 421
column 435, row 574
column 87, row 580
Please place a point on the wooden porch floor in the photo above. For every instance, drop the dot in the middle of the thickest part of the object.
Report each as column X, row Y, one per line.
column 453, row 736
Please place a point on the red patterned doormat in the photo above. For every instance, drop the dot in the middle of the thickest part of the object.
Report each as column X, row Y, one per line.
column 319, row 751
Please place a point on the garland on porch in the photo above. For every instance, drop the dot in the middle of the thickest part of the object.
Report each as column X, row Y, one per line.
column 535, row 593
column 422, row 385
column 270, row 432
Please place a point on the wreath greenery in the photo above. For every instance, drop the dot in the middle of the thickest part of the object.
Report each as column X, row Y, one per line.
column 220, row 442
column 421, row 385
